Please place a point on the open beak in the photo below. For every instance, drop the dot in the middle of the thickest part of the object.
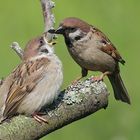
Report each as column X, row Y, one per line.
column 51, row 43
column 60, row 30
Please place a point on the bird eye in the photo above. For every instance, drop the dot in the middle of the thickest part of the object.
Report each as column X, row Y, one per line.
column 104, row 42
column 41, row 41
column 78, row 38
column 72, row 29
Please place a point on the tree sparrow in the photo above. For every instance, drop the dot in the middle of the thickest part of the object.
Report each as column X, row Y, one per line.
column 92, row 50
column 34, row 83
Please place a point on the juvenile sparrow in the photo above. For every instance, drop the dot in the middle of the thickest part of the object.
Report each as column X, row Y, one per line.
column 34, row 83
column 92, row 50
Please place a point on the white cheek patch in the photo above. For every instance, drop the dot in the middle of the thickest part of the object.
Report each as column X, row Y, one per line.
column 74, row 34
column 50, row 49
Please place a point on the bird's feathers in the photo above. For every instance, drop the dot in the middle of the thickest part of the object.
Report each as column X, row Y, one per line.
column 106, row 45
column 24, row 81
column 120, row 92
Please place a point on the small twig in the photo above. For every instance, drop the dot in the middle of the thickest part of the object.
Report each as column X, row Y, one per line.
column 49, row 19
column 15, row 46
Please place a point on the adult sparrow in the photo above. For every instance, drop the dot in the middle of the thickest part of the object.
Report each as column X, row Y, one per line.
column 34, row 83
column 92, row 50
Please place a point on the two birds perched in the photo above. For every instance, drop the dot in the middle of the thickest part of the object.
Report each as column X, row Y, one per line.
column 37, row 80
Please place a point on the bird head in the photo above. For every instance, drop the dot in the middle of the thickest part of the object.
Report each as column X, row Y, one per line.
column 72, row 28
column 38, row 47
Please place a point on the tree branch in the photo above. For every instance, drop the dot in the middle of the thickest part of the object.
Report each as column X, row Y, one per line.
column 15, row 46
column 49, row 19
column 74, row 103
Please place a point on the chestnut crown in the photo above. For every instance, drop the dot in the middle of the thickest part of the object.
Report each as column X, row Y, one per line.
column 71, row 24
column 37, row 46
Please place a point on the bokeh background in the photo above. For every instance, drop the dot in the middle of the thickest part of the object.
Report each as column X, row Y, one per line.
column 21, row 20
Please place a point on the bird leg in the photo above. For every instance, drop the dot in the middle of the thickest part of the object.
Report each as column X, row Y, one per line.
column 76, row 80
column 38, row 118
column 84, row 74
column 100, row 78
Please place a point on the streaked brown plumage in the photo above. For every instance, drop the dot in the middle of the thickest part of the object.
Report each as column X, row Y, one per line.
column 92, row 50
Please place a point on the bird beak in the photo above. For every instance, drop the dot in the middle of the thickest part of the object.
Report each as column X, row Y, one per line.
column 60, row 30
column 50, row 43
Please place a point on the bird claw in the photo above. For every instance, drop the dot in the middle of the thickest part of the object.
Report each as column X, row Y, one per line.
column 97, row 78
column 100, row 78
column 39, row 119
column 74, row 82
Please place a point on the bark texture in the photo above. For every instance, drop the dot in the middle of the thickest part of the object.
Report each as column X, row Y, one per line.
column 74, row 103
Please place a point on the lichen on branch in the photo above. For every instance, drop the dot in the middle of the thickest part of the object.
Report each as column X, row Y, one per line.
column 74, row 103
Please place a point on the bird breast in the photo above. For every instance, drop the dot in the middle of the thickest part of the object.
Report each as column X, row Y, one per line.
column 46, row 91
column 88, row 55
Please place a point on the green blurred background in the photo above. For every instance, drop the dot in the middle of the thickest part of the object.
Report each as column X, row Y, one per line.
column 21, row 20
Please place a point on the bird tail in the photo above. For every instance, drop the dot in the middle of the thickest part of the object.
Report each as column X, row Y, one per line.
column 120, row 92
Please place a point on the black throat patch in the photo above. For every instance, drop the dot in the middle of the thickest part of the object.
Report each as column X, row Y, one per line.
column 68, row 42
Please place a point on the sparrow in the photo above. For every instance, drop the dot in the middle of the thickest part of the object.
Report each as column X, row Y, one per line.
column 34, row 83
column 92, row 50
